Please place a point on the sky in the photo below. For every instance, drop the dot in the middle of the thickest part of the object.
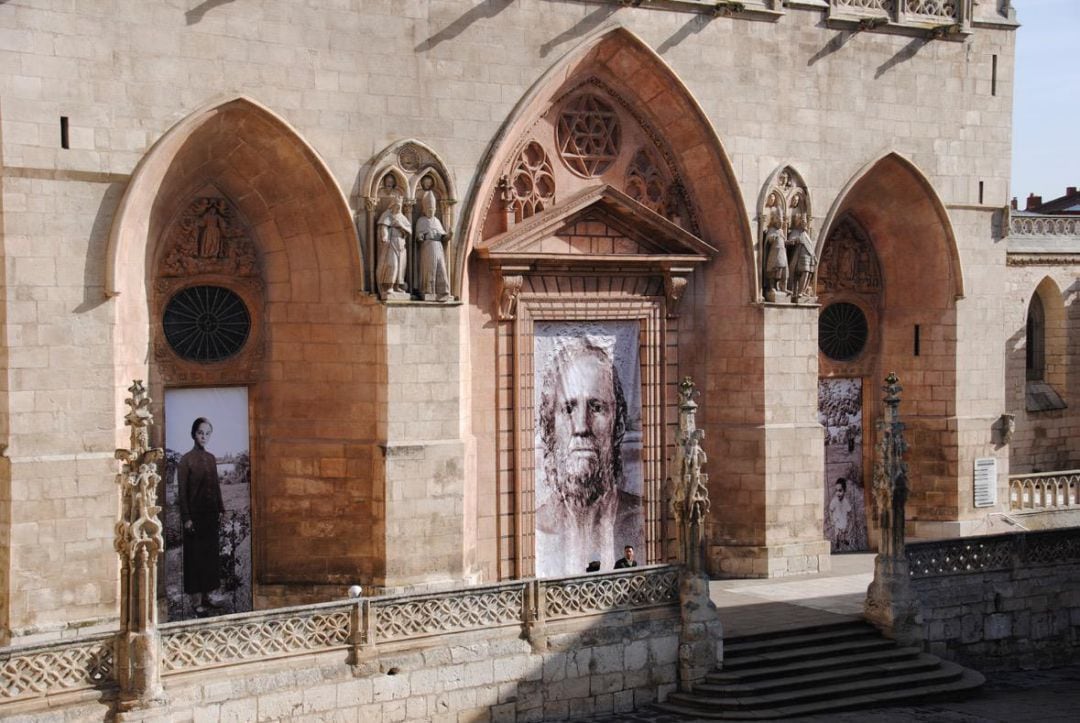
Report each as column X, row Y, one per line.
column 1046, row 102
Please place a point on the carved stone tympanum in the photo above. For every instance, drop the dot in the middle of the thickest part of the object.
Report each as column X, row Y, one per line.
column 209, row 238
column 848, row 261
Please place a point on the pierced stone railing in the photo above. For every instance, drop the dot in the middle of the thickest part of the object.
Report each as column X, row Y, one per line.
column 357, row 625
column 993, row 553
column 1045, row 490
column 1044, row 226
column 254, row 636
column 39, row 670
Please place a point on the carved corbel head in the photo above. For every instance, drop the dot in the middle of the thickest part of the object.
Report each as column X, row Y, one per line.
column 509, row 287
column 675, row 281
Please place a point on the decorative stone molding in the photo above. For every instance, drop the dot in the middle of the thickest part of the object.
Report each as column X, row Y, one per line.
column 675, row 282
column 530, row 187
column 404, row 173
column 1044, row 225
column 949, row 19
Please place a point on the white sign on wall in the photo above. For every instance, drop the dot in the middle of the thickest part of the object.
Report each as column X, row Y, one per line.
column 986, row 482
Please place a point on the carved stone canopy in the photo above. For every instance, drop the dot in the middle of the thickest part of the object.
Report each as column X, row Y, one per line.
column 598, row 230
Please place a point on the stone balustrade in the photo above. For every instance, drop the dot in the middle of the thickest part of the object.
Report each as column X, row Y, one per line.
column 360, row 625
column 1044, row 490
column 1044, row 226
column 1001, row 601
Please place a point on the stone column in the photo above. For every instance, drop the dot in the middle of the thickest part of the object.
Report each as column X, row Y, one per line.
column 701, row 644
column 890, row 603
column 139, row 543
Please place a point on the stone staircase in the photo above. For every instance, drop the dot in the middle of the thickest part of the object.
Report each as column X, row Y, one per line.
column 818, row 669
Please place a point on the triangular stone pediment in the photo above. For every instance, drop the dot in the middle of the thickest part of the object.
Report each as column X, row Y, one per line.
column 597, row 225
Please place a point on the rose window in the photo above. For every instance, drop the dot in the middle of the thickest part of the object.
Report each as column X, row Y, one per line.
column 588, row 135
column 206, row 323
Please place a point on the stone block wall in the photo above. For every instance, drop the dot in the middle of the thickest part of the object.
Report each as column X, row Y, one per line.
column 1044, row 440
column 1011, row 601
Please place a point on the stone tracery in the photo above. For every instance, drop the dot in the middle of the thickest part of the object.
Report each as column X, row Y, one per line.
column 531, row 185
column 589, row 135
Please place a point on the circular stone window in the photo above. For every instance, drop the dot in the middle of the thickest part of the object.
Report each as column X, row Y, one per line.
column 588, row 135
column 206, row 323
column 842, row 331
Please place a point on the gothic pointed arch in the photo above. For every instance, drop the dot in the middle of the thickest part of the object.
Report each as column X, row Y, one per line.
column 612, row 111
column 888, row 255
column 899, row 208
column 234, row 203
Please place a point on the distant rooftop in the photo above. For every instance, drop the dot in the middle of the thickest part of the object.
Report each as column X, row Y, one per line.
column 1067, row 204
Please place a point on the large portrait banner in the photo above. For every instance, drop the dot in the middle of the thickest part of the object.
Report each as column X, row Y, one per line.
column 840, row 412
column 589, row 474
column 207, row 502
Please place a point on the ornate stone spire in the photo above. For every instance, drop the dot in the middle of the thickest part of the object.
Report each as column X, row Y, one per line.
column 139, row 542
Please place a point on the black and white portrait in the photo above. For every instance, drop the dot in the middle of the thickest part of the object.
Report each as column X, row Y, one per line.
column 589, row 475
column 208, row 502
column 840, row 412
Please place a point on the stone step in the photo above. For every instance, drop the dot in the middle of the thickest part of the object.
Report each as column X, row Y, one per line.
column 939, row 675
column 811, row 652
column 854, row 672
column 741, row 647
column 968, row 681
column 802, row 667
column 846, row 623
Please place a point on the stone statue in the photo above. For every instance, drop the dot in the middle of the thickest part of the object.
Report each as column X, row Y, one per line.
column 804, row 262
column 430, row 238
column 690, row 498
column 393, row 229
column 776, row 261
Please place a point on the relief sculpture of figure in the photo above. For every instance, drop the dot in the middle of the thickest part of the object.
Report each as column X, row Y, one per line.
column 804, row 261
column 201, row 507
column 393, row 229
column 210, row 235
column 431, row 238
column 776, row 261
column 582, row 420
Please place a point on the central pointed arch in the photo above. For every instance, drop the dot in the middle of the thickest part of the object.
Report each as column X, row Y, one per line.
column 623, row 66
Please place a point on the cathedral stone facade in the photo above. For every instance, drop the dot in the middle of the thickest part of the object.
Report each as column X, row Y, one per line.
column 384, row 224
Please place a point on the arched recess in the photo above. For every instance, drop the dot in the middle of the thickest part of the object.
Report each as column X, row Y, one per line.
column 911, row 315
column 1045, row 332
column 605, row 199
column 313, row 382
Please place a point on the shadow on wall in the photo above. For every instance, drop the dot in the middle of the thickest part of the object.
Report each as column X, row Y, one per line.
column 905, row 53
column 93, row 277
column 583, row 26
column 196, row 13
column 486, row 9
column 692, row 26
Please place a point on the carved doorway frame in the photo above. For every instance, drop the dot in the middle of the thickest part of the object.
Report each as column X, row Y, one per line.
column 657, row 357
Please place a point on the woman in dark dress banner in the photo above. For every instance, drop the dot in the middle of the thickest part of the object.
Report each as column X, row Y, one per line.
column 201, row 507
